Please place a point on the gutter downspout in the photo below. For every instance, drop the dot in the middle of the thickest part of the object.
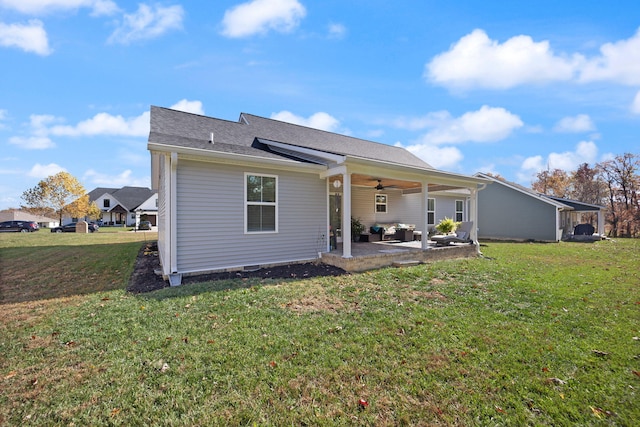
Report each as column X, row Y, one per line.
column 175, row 278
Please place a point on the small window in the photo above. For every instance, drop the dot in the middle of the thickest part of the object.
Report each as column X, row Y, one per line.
column 261, row 203
column 459, row 210
column 381, row 203
column 106, row 203
column 431, row 211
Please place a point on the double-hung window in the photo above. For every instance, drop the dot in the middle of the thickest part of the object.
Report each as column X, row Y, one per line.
column 261, row 203
column 459, row 210
column 431, row 211
column 381, row 203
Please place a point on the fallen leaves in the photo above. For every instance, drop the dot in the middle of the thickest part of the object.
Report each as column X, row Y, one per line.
column 362, row 404
column 598, row 412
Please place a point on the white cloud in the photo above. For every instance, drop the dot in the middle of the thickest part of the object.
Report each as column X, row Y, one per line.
column 477, row 61
column 30, row 38
column 106, row 124
column 147, row 22
column 619, row 62
column 337, row 31
column 260, row 16
column 321, row 120
column 39, row 139
column 36, row 7
column 635, row 105
column 3, row 117
column 42, row 171
column 120, row 180
column 187, row 106
column 437, row 156
column 578, row 124
column 33, row 142
column 488, row 124
column 585, row 152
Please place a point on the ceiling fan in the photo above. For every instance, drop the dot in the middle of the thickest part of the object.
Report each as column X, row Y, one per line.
column 379, row 186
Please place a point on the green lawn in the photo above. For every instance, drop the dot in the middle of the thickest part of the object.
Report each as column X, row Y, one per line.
column 532, row 334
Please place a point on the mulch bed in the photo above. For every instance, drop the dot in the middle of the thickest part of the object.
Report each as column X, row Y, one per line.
column 143, row 279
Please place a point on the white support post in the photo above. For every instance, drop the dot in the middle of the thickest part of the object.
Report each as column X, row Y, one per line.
column 346, row 215
column 328, row 223
column 600, row 223
column 425, row 215
column 473, row 214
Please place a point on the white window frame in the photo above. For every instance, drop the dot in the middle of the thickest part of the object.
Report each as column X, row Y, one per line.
column 248, row 203
column 385, row 203
column 459, row 212
column 431, row 211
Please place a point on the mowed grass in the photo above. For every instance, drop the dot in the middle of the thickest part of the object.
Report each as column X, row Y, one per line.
column 532, row 334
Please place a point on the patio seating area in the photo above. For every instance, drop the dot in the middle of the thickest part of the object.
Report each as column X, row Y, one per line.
column 372, row 255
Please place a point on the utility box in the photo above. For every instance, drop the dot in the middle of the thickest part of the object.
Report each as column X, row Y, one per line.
column 82, row 227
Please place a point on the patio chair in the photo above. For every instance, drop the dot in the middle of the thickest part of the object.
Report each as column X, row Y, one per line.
column 463, row 235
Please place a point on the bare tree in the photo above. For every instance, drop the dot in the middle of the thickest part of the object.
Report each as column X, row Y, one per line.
column 623, row 184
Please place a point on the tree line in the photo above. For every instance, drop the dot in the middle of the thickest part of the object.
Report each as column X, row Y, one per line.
column 613, row 183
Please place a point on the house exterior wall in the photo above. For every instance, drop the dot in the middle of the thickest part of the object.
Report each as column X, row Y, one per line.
column 505, row 213
column 210, row 218
column 402, row 208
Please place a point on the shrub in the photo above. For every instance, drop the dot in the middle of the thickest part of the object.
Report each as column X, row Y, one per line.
column 447, row 225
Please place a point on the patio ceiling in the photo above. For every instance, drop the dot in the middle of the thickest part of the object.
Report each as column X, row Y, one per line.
column 370, row 181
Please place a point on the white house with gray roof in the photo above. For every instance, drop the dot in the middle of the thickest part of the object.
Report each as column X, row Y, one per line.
column 258, row 192
column 126, row 206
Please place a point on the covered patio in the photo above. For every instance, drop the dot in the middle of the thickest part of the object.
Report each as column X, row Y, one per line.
column 407, row 189
column 372, row 255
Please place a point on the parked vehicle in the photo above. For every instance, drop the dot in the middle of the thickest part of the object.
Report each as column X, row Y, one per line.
column 23, row 226
column 144, row 225
column 71, row 228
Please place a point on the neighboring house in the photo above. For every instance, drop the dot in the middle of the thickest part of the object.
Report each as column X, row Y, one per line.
column 509, row 211
column 260, row 192
column 19, row 215
column 125, row 206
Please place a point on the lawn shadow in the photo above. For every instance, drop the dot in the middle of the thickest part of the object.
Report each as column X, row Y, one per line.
column 234, row 280
column 59, row 271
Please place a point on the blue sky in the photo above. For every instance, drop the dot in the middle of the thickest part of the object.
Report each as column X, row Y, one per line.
column 502, row 87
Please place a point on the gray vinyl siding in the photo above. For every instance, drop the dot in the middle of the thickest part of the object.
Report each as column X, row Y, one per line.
column 210, row 218
column 406, row 209
column 363, row 206
column 505, row 213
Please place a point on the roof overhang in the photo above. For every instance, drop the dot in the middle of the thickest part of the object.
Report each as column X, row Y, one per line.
column 330, row 164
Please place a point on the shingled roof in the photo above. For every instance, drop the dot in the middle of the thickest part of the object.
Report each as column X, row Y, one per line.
column 177, row 128
column 129, row 197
